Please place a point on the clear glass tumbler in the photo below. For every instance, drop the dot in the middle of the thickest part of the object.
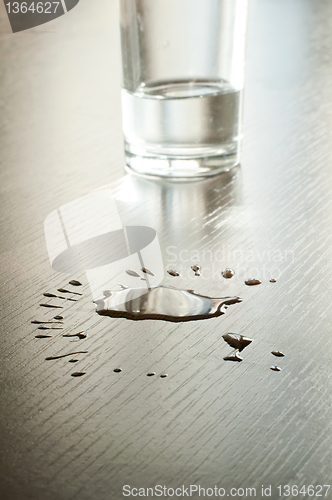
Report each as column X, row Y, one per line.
column 183, row 75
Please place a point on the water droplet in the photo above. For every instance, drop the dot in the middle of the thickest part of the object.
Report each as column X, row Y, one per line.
column 173, row 273
column 275, row 368
column 80, row 335
column 64, row 290
column 60, row 297
column 75, row 283
column 43, row 336
column 51, row 306
column 163, row 375
column 65, row 355
column 252, row 282
column 78, row 374
column 278, row 354
column 272, row 280
column 151, row 374
column 146, row 271
column 58, row 317
column 49, row 328
column 117, row 370
column 124, row 287
column 237, row 341
column 196, row 269
column 46, row 294
column 36, row 322
column 163, row 303
column 234, row 356
column 228, row 273
column 133, row 273
column 73, row 361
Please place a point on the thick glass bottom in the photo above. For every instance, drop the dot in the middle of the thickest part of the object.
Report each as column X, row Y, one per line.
column 181, row 167
column 182, row 129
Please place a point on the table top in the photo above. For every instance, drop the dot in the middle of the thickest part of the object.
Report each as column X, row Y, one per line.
column 210, row 422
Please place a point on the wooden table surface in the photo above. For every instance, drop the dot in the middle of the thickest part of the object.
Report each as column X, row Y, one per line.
column 210, row 422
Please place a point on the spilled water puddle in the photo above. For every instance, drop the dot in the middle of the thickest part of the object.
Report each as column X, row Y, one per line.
column 162, row 303
column 159, row 303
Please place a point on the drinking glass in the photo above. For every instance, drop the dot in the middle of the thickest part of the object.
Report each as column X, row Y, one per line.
column 183, row 75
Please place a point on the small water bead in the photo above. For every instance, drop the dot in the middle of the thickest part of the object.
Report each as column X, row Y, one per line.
column 228, row 273
column 80, row 335
column 173, row 273
column 46, row 294
column 234, row 356
column 151, row 374
column 117, row 370
column 272, row 280
column 75, row 283
column 51, row 306
column 36, row 322
column 132, row 273
column 278, row 354
column 252, row 282
column 50, row 358
column 78, row 374
column 275, row 368
column 196, row 269
column 237, row 341
column 146, row 271
column 49, row 328
column 64, row 290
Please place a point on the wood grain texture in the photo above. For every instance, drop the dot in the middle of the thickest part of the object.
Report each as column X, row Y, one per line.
column 210, row 422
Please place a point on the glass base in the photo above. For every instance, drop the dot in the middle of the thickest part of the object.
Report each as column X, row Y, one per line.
column 181, row 167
